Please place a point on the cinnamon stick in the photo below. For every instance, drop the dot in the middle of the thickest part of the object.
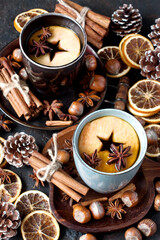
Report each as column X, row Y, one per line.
column 59, row 175
column 37, row 102
column 96, row 17
column 91, row 33
column 86, row 203
column 131, row 186
column 58, row 123
column 64, row 188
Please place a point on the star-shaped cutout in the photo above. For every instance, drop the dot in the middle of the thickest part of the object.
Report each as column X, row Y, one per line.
column 107, row 143
column 54, row 49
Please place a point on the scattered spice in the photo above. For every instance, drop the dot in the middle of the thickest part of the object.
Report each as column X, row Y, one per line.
column 118, row 155
column 36, row 179
column 52, row 108
column 39, row 48
column 85, row 81
column 92, row 160
column 67, row 117
column 88, row 98
column 4, row 123
column 115, row 209
column 13, row 63
column 45, row 34
column 68, row 146
column 4, row 176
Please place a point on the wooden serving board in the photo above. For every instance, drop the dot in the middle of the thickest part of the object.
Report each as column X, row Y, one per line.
column 145, row 189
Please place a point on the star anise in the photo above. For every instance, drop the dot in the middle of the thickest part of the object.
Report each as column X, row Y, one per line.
column 67, row 117
column 52, row 108
column 85, row 81
column 35, row 178
column 88, row 98
column 4, row 176
column 3, row 123
column 92, row 160
column 115, row 209
column 68, row 146
column 45, row 34
column 118, row 155
column 12, row 62
column 39, row 48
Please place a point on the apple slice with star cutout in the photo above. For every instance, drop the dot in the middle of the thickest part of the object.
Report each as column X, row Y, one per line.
column 65, row 45
column 100, row 133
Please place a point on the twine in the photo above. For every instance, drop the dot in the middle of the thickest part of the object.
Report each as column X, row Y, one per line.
column 16, row 83
column 51, row 168
column 80, row 16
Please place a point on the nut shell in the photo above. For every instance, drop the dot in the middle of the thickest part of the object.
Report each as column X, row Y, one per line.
column 130, row 198
column 157, row 186
column 76, row 108
column 132, row 233
column 91, row 63
column 17, row 55
column 157, row 202
column 97, row 210
column 98, row 83
column 148, row 227
column 63, row 156
column 87, row 236
column 113, row 66
column 23, row 74
column 81, row 214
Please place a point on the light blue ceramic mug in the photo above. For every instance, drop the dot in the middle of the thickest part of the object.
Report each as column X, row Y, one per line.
column 103, row 182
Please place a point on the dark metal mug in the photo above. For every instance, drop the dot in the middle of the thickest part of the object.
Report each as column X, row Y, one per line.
column 48, row 79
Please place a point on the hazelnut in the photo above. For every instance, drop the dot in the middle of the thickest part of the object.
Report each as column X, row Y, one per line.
column 148, row 227
column 91, row 63
column 23, row 74
column 132, row 233
column 152, row 136
column 76, row 108
column 97, row 210
column 157, row 186
column 157, row 202
column 87, row 236
column 98, row 83
column 130, row 198
column 17, row 55
column 81, row 214
column 63, row 156
column 113, row 66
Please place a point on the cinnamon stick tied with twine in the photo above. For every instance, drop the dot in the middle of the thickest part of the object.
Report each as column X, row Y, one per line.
column 23, row 101
column 52, row 172
column 96, row 25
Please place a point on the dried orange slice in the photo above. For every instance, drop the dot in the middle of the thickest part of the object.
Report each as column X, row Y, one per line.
column 22, row 18
column 152, row 119
column 40, row 225
column 10, row 187
column 133, row 47
column 153, row 150
column 141, row 114
column 112, row 52
column 144, row 96
column 30, row 201
column 3, row 162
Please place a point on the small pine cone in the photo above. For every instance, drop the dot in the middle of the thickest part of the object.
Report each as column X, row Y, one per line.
column 18, row 149
column 155, row 33
column 126, row 20
column 9, row 220
column 150, row 64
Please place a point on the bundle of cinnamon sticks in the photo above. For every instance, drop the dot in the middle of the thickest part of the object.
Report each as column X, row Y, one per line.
column 60, row 178
column 15, row 97
column 96, row 25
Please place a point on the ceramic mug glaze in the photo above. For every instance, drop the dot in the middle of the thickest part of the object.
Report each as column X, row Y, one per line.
column 51, row 79
column 103, row 182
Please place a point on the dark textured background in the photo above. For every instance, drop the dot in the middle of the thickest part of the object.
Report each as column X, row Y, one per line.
column 8, row 10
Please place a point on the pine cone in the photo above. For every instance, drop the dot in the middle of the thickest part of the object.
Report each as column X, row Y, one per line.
column 126, row 20
column 18, row 149
column 150, row 64
column 155, row 33
column 9, row 220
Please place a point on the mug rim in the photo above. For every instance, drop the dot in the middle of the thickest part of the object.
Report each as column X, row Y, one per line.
column 141, row 153
column 53, row 67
